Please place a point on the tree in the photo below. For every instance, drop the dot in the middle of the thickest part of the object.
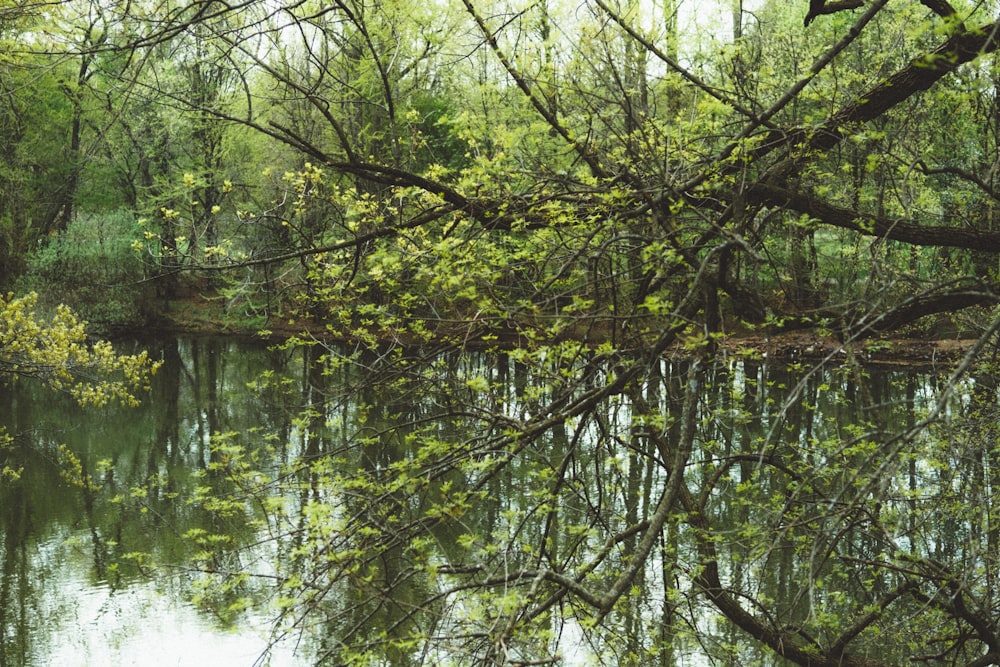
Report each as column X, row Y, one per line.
column 618, row 210
column 57, row 353
column 34, row 112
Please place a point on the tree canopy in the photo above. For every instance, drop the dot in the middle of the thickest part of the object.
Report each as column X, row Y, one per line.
column 597, row 196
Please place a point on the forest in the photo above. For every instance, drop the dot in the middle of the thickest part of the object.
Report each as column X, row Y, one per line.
column 549, row 250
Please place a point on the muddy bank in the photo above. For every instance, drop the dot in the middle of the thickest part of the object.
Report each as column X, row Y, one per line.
column 199, row 315
column 803, row 346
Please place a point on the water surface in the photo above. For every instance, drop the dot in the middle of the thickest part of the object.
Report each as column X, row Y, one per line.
column 95, row 535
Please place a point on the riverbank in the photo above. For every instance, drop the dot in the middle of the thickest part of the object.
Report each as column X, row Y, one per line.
column 197, row 313
column 808, row 346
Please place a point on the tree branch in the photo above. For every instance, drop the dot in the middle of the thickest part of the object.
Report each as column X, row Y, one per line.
column 543, row 110
column 939, row 7
column 872, row 225
column 820, row 8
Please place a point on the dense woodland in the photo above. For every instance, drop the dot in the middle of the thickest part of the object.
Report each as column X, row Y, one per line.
column 600, row 194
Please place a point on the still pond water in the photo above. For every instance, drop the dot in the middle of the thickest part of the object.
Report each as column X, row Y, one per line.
column 69, row 594
column 73, row 590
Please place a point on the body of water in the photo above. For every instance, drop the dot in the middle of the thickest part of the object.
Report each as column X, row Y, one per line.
column 99, row 537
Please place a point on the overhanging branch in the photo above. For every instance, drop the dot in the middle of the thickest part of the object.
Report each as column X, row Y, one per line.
column 873, row 225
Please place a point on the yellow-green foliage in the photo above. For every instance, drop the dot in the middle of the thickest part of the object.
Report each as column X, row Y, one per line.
column 57, row 352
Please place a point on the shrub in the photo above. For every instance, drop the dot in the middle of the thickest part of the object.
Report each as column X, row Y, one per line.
column 93, row 268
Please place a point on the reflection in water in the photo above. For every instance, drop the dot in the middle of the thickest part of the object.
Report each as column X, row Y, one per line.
column 96, row 537
column 146, row 623
column 80, row 545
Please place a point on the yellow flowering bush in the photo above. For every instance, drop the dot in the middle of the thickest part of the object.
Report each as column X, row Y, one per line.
column 58, row 353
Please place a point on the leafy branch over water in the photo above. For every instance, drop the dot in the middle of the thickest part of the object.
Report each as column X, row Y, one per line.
column 58, row 353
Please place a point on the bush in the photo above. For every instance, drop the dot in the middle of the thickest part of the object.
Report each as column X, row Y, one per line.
column 93, row 268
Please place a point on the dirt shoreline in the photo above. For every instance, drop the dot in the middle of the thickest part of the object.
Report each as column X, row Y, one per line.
column 808, row 346
column 201, row 316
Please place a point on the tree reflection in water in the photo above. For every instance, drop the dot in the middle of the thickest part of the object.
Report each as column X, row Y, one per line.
column 433, row 508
